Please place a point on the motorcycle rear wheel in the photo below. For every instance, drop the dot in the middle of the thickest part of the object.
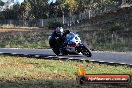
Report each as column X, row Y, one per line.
column 56, row 51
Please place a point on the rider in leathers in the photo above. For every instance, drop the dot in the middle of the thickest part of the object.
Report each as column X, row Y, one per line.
column 58, row 38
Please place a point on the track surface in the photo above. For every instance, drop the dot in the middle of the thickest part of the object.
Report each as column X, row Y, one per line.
column 98, row 56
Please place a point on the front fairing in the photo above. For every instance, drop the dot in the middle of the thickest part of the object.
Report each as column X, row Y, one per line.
column 73, row 38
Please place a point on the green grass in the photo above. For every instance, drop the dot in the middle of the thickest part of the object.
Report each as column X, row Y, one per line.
column 24, row 39
column 106, row 40
column 23, row 72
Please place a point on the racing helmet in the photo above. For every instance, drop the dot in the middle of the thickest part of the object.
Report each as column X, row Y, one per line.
column 59, row 30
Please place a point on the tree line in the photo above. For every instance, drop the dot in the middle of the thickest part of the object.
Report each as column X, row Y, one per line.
column 42, row 9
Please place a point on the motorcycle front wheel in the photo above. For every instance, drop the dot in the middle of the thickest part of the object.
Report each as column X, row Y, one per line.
column 85, row 51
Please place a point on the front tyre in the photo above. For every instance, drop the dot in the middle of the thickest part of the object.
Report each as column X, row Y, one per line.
column 85, row 51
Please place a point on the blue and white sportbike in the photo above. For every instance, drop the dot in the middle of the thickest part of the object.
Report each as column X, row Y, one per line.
column 71, row 44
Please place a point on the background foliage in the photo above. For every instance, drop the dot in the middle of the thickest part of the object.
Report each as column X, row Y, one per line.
column 41, row 9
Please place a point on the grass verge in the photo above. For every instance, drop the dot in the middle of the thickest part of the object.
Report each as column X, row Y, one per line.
column 24, row 38
column 23, row 72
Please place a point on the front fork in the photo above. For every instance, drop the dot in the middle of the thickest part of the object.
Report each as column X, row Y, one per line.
column 78, row 48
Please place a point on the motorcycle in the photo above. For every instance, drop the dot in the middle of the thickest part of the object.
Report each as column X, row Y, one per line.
column 72, row 45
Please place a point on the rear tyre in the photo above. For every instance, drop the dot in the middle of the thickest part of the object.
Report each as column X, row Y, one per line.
column 56, row 51
column 55, row 45
column 64, row 51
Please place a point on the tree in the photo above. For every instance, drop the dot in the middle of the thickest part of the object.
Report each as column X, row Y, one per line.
column 15, row 11
column 40, row 8
column 68, row 5
column 71, row 5
column 54, row 10
column 25, row 10
column 1, row 5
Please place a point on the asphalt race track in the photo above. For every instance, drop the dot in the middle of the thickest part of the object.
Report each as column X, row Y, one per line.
column 124, row 58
